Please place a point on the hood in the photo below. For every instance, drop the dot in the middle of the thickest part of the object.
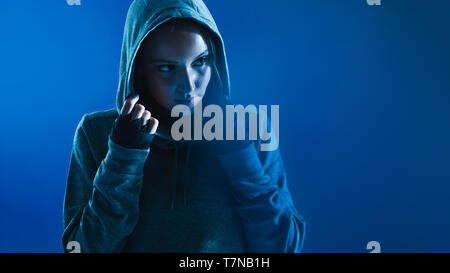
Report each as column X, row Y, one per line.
column 146, row 15
column 143, row 17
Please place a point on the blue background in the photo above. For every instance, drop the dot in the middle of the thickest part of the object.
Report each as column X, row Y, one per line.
column 364, row 111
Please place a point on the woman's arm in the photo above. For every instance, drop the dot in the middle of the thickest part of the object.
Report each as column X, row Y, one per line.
column 270, row 220
column 101, row 205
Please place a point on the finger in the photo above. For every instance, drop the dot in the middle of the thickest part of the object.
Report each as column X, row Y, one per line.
column 129, row 105
column 137, row 112
column 145, row 117
column 153, row 125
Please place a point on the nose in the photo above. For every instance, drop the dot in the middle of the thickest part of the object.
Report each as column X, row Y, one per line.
column 187, row 82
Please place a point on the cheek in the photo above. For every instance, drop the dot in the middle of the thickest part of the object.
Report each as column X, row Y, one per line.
column 160, row 89
column 204, row 80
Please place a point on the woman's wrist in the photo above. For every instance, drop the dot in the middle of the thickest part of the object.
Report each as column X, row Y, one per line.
column 130, row 133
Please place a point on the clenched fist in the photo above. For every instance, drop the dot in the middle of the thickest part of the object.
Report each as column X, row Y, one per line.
column 135, row 127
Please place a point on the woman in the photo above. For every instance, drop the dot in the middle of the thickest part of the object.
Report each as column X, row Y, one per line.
column 132, row 188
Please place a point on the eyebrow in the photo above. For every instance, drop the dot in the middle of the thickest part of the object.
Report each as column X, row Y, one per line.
column 172, row 62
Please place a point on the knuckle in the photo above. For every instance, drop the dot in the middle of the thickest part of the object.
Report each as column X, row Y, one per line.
column 139, row 107
column 128, row 103
column 125, row 108
column 145, row 118
column 151, row 122
column 137, row 111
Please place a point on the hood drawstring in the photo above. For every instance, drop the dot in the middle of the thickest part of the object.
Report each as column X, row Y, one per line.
column 176, row 178
column 186, row 166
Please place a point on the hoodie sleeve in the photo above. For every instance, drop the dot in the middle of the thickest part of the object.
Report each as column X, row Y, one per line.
column 101, row 205
column 258, row 181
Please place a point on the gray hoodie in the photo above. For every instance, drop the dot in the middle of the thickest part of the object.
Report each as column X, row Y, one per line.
column 173, row 197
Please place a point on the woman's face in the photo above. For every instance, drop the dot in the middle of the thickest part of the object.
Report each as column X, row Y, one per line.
column 176, row 66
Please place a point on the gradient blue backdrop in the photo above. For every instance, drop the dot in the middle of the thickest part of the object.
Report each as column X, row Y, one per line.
column 364, row 111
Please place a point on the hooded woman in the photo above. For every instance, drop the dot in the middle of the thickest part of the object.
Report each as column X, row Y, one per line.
column 132, row 188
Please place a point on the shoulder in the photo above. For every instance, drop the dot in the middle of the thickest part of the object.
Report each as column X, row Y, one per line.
column 97, row 121
column 101, row 117
column 96, row 126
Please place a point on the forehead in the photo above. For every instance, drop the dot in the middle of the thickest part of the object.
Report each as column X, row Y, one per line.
column 174, row 42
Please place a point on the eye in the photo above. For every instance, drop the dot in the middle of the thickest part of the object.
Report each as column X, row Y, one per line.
column 166, row 68
column 202, row 61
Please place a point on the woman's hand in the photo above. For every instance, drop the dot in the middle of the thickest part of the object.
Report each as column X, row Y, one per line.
column 135, row 127
column 228, row 146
